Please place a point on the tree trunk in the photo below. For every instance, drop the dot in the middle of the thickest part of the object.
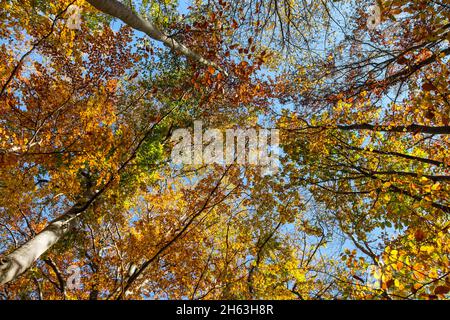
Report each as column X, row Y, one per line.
column 119, row 10
column 17, row 262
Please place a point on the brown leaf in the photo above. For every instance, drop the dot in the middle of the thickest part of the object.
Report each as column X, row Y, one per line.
column 419, row 235
column 442, row 290
column 389, row 283
column 402, row 60
column 445, row 120
column 428, row 86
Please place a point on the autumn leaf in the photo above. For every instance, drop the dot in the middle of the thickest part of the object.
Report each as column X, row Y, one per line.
column 441, row 290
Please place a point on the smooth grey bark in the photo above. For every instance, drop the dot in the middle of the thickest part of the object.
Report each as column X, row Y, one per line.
column 18, row 261
column 119, row 10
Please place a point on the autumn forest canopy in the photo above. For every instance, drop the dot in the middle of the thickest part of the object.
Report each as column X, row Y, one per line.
column 92, row 93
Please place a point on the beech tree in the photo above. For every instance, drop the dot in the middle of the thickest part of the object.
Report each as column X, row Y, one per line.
column 92, row 92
